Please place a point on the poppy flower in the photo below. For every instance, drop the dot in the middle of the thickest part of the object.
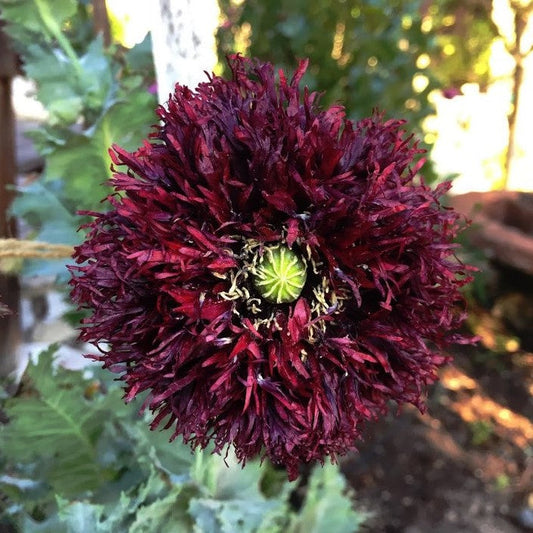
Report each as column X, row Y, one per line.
column 268, row 272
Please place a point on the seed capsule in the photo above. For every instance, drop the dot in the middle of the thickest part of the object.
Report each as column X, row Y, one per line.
column 280, row 275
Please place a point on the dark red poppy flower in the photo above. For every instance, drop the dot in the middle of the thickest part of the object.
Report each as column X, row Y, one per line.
column 271, row 273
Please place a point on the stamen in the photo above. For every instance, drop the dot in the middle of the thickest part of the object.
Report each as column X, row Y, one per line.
column 279, row 275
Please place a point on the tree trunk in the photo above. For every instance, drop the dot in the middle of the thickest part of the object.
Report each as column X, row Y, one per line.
column 184, row 46
column 9, row 284
column 521, row 19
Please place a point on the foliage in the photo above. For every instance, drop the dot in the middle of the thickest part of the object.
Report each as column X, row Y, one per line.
column 53, row 412
column 464, row 33
column 363, row 54
column 325, row 508
column 69, row 468
column 75, row 470
column 93, row 96
column 482, row 431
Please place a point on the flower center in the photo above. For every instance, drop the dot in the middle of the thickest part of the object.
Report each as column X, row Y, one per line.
column 279, row 275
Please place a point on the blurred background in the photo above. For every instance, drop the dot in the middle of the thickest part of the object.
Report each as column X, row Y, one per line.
column 78, row 75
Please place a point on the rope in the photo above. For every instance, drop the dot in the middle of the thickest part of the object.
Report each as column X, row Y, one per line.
column 33, row 249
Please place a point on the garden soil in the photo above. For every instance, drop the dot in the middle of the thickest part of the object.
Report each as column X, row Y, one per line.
column 466, row 465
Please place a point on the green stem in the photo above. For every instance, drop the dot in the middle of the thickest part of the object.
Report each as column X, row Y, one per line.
column 107, row 142
column 53, row 27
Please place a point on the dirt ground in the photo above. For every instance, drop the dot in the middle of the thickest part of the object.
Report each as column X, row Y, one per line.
column 466, row 466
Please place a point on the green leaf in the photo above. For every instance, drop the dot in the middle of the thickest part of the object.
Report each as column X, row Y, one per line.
column 233, row 501
column 155, row 505
column 245, row 515
column 82, row 162
column 39, row 205
column 69, row 89
column 96, row 78
column 94, row 99
column 128, row 121
column 140, row 58
column 37, row 15
column 52, row 524
column 327, row 506
column 162, row 486
column 56, row 79
column 155, row 449
column 19, row 488
column 57, row 426
column 80, row 166
column 80, row 516
column 167, row 514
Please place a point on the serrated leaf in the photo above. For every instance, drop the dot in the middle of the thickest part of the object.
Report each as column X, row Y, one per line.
column 80, row 166
column 80, row 516
column 226, row 479
column 40, row 205
column 155, row 505
column 83, row 163
column 233, row 501
column 56, row 79
column 245, row 515
column 96, row 78
column 140, row 58
column 56, row 426
column 128, row 121
column 167, row 514
column 70, row 89
column 327, row 506
column 154, row 448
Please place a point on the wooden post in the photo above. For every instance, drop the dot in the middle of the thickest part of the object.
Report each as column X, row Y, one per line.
column 101, row 21
column 9, row 284
column 8, row 69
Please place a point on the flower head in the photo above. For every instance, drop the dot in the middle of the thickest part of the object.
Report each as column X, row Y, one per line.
column 271, row 273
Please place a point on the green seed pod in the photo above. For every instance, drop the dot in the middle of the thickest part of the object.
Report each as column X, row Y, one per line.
column 280, row 275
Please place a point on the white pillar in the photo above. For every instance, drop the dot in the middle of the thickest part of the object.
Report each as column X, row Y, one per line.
column 184, row 46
